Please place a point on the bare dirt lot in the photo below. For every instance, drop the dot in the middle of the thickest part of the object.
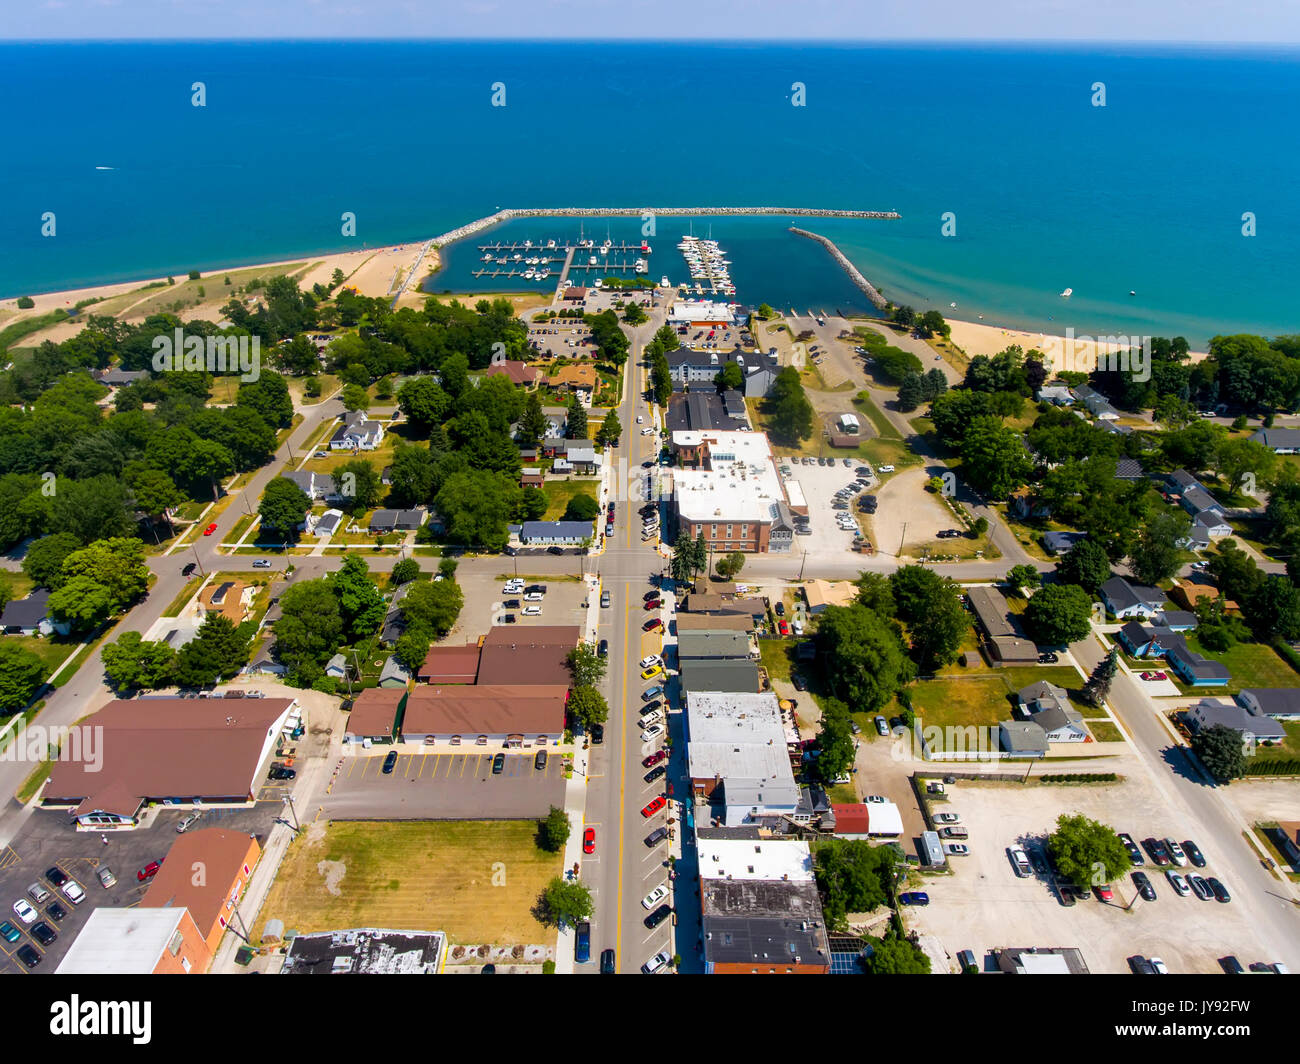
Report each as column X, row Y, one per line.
column 908, row 513
column 983, row 905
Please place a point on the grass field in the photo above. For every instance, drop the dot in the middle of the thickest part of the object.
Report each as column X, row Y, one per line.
column 1105, row 731
column 422, row 875
column 559, row 492
column 17, row 584
column 1284, row 751
column 50, row 652
column 1251, row 665
column 980, row 695
column 777, row 655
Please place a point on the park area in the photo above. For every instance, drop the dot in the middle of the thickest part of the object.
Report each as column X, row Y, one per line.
column 478, row 881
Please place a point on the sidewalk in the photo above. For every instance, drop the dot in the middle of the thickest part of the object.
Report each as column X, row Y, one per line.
column 575, row 803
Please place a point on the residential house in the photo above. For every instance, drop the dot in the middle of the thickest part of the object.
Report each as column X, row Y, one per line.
column 1279, row 440
column 1280, row 703
column 1129, row 469
column 1048, row 706
column 865, row 820
column 1096, row 403
column 316, row 486
column 357, row 433
column 31, row 616
column 1192, row 668
column 1041, row 960
column 394, row 673
column 116, row 377
column 385, row 521
column 1061, row 543
column 1253, row 727
column 373, row 716
column 1026, row 504
column 1189, row 593
column 230, row 598
column 1056, row 394
column 394, row 619
column 581, row 458
column 532, row 478
column 1145, row 641
column 1002, row 643
column 1022, row 739
column 520, row 373
column 1126, row 601
column 555, row 533
column 337, row 667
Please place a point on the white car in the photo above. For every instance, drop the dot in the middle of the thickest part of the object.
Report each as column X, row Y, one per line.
column 655, row 896
column 651, row 733
column 1020, row 861
column 654, row 963
column 653, row 659
column 1176, row 853
column 874, row 798
column 947, row 818
column 1178, row 883
column 25, row 912
column 73, row 892
column 646, row 431
column 956, row 849
column 1159, row 966
column 532, row 611
column 885, row 468
column 513, row 587
column 185, row 823
column 653, row 717
column 639, row 419
column 534, row 596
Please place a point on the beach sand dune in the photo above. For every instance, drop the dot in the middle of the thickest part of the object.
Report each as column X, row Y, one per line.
column 977, row 338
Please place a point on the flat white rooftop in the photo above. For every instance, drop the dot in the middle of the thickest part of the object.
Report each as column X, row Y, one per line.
column 121, row 942
column 766, row 859
column 734, row 718
column 740, row 485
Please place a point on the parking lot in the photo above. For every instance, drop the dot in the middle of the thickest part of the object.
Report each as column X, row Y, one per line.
column 444, row 787
column 908, row 513
column 819, row 484
column 484, row 601
column 48, row 840
column 983, row 905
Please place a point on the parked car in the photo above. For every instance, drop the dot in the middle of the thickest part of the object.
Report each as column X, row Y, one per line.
column 43, row 933
column 657, row 836
column 956, row 849
column 1104, row 892
column 651, row 692
column 607, row 966
column 28, row 956
column 779, row 608
column 498, row 764
column 603, row 649
column 658, row 916
column 24, row 912
column 539, row 762
column 10, row 933
column 1038, row 861
column 655, row 963
column 1193, row 853
column 280, row 772
column 1144, row 886
column 654, row 759
column 652, row 625
column 947, row 818
column 261, row 563
column 654, row 806
column 589, row 840
column 1020, row 861
column 1200, row 887
column 1141, row 966
column 652, row 672
column 57, row 876
column 210, row 529
column 55, row 911
column 882, row 726
column 658, row 772
column 652, row 732
column 1134, row 854
column 1220, row 891
column 148, row 871
column 915, row 897
column 389, row 762
column 73, row 891
column 532, row 611
column 1231, row 966
column 185, row 823
column 1178, row 883
column 651, row 660
column 1158, row 851
column 582, row 943
column 597, row 734
column 1176, row 853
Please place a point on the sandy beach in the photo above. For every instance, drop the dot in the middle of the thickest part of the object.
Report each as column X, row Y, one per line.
column 977, row 338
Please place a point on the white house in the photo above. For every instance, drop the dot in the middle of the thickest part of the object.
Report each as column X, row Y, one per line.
column 357, row 433
column 31, row 616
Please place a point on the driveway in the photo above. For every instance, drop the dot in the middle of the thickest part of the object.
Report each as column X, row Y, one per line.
column 444, row 787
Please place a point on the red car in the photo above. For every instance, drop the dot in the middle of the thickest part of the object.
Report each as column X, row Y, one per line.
column 210, row 529
column 782, row 627
column 652, row 625
column 653, row 604
column 589, row 841
column 654, row 758
column 148, row 871
column 1104, row 893
column 655, row 806
column 1154, row 676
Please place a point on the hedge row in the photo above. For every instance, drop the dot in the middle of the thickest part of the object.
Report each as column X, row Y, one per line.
column 1274, row 768
column 1080, row 777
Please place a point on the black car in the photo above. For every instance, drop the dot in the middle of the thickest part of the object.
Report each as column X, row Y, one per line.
column 659, row 916
column 1193, row 853
column 607, row 962
column 1220, row 891
column 498, row 764
column 389, row 762
column 554, row 550
column 538, row 589
column 1158, row 850
column 658, row 772
column 28, row 956
column 1134, row 854
column 656, row 836
column 799, row 683
column 55, row 911
column 1231, row 966
column 539, row 762
column 1141, row 966
column 1144, row 886
column 650, row 706
column 780, row 609
column 56, row 876
column 598, row 733
column 188, row 569
column 279, row 772
column 650, row 596
column 43, row 933
column 1038, row 861
column 1048, row 657
column 603, row 649
column 511, row 604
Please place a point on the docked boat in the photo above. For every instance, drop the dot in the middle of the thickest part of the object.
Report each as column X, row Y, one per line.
column 641, row 266
column 663, row 282
column 591, row 261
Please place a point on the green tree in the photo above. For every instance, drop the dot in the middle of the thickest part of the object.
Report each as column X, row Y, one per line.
column 893, row 955
column 634, row 315
column 309, row 630
column 217, row 652
column 423, row 403
column 1086, row 565
column 413, row 475
column 1221, row 752
column 729, row 565
column 730, row 378
column 1058, row 614
column 864, row 659
column 931, row 606
column 586, row 706
column 283, row 508
column 361, row 604
column 99, row 581
column 43, row 562
column 789, row 409
column 359, row 484
column 565, row 901
column 581, row 508
column 412, row 646
column 586, row 666
column 1274, row 608
column 1020, row 576
column 576, row 427
column 610, row 431
column 1155, row 554
column 268, row 396
column 405, row 571
column 532, row 425
column 433, row 605
column 477, row 506
column 994, row 459
column 835, row 748
column 134, row 662
column 852, row 877
column 1097, row 687
column 911, row 392
column 21, row 674
column 355, row 398
column 1088, row 853
column 553, row 830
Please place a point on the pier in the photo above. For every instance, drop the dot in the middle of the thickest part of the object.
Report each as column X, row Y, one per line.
column 877, row 300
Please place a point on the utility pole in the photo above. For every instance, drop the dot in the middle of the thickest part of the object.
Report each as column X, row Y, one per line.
column 196, row 560
column 288, row 800
column 802, row 564
column 901, row 539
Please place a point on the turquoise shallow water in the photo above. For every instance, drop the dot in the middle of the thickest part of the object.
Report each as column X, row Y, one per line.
column 1048, row 191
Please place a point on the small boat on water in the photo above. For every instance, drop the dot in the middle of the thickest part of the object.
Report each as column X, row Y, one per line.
column 1132, row 292
column 1067, row 293
column 663, row 282
column 550, row 244
column 591, row 261
column 487, row 257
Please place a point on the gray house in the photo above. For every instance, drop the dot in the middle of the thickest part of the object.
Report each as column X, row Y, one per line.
column 555, row 533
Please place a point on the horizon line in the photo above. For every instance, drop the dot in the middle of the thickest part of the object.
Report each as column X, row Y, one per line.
column 786, row 39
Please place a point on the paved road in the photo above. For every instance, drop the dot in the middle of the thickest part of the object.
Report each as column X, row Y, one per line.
column 1210, row 820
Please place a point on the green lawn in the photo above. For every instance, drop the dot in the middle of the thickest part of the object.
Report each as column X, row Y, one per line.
column 559, row 492
column 1284, row 751
column 777, row 656
column 979, row 695
column 1105, row 731
column 1251, row 665
column 17, row 585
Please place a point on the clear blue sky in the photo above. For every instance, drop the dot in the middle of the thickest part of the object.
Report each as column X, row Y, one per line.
column 1213, row 21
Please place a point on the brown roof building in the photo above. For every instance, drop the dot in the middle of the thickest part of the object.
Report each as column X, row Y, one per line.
column 575, row 292
column 1187, row 594
column 714, row 622
column 225, row 598
column 482, row 714
column 519, row 372
column 581, row 376
column 227, row 859
column 450, row 664
column 527, row 656
column 155, row 749
column 374, row 715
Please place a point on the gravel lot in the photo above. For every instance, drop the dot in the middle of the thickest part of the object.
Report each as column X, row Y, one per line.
column 820, row 483
column 904, row 500
column 983, row 905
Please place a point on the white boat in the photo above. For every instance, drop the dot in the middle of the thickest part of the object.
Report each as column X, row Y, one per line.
column 953, row 305
column 516, row 256
column 591, row 261
column 1067, row 293
column 528, row 243
column 1132, row 292
column 663, row 282
column 487, row 257
column 599, row 283
column 641, row 266
column 529, row 274
column 550, row 243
